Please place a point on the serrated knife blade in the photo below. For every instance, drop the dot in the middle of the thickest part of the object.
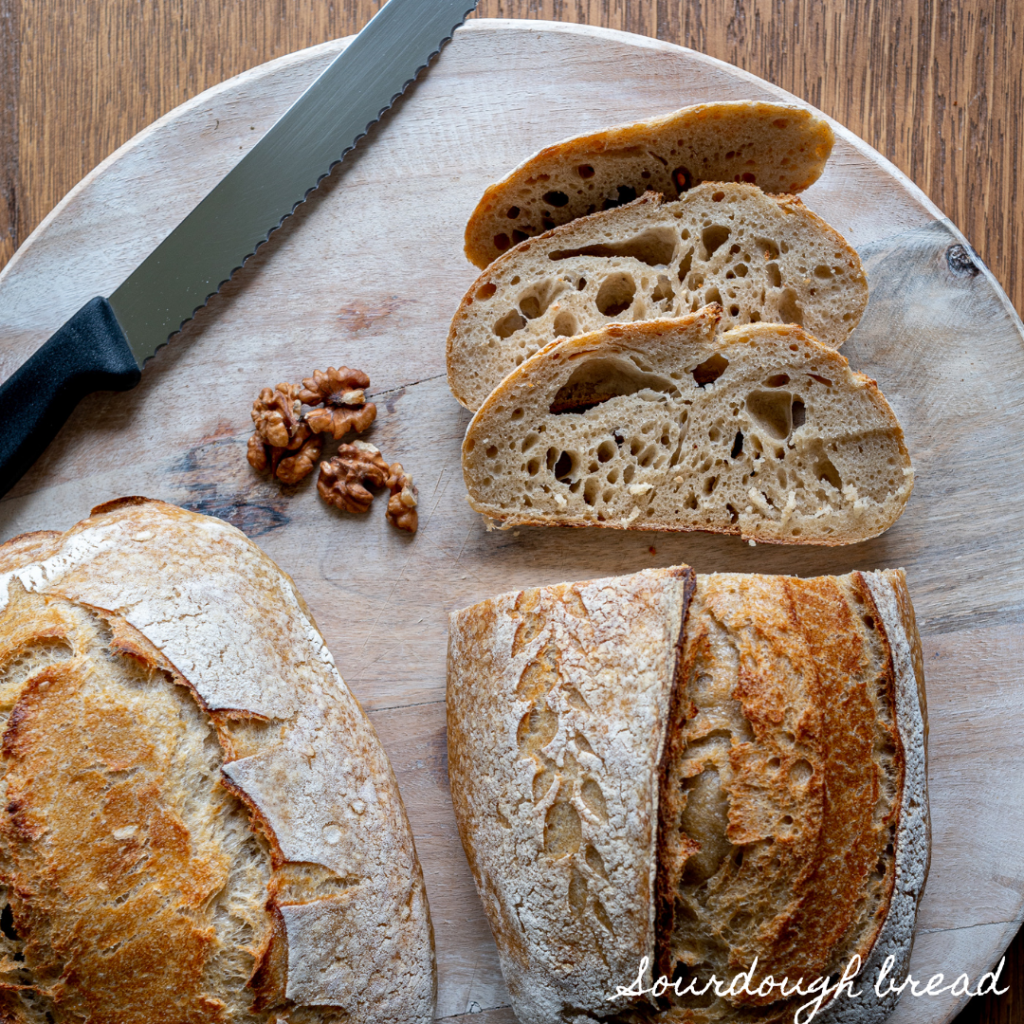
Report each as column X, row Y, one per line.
column 105, row 345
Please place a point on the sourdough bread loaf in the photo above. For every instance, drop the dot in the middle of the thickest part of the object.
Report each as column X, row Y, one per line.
column 778, row 146
column 665, row 425
column 194, row 799
column 696, row 770
column 762, row 258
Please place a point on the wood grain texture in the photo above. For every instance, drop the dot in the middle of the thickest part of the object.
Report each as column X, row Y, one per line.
column 935, row 87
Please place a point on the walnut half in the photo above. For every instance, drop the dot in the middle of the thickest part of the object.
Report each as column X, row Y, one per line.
column 342, row 480
column 403, row 501
column 339, row 401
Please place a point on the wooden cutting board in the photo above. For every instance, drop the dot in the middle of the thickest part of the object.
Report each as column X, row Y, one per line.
column 368, row 274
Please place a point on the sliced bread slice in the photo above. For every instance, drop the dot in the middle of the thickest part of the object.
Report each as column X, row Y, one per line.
column 662, row 425
column 781, row 147
column 764, row 258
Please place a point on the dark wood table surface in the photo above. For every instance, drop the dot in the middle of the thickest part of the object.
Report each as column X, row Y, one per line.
column 937, row 87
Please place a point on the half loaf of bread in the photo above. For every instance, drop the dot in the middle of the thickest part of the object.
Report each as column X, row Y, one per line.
column 695, row 771
column 762, row 258
column 664, row 425
column 778, row 146
column 199, row 822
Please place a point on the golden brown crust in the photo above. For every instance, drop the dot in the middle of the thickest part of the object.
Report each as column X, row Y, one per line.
column 27, row 547
column 780, row 147
column 791, row 809
column 302, row 755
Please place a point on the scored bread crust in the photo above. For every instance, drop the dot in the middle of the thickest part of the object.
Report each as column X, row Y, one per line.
column 551, row 733
column 763, row 258
column 314, row 774
column 662, row 425
column 777, row 146
column 853, row 662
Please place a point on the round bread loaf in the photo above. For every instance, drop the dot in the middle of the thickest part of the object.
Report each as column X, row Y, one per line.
column 691, row 777
column 199, row 822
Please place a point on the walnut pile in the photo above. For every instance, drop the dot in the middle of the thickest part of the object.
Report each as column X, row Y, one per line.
column 340, row 403
column 282, row 443
column 288, row 443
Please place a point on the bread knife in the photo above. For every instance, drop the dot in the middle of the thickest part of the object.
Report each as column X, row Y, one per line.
column 105, row 345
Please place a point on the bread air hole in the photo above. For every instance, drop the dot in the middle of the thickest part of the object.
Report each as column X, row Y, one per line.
column 790, row 309
column 511, row 322
column 534, row 302
column 655, row 247
column 710, row 370
column 713, row 238
column 556, row 199
column 596, row 381
column 565, row 325
column 615, row 295
column 776, row 412
column 624, row 194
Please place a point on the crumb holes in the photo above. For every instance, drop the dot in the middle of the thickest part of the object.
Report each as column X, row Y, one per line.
column 822, row 272
column 485, row 291
column 737, row 445
column 605, row 451
column 556, row 199
column 772, row 412
column 685, row 264
column 590, row 489
column 740, row 269
column 712, row 295
column 585, row 171
column 511, row 322
column 551, row 458
column 530, row 440
column 789, row 308
column 713, row 238
column 581, row 284
column 491, row 452
column 733, row 514
column 768, row 247
column 655, row 247
column 517, row 414
column 773, row 763
column 755, row 316
column 533, row 467
column 749, row 178
column 869, row 621
column 628, row 473
column 615, row 295
column 718, row 196
column 820, row 380
column 530, row 307
column 799, row 413
column 710, row 370
column 565, row 325
column 800, row 773
column 565, row 466
column 663, row 290
column 734, row 311
column 512, row 212
column 787, row 819
column 709, row 485
column 827, row 472
column 624, row 194
column 774, row 275
column 501, row 242
column 682, row 179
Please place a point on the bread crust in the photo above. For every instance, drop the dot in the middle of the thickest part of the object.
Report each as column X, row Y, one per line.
column 765, row 258
column 231, row 622
column 827, row 764
column 551, row 733
column 662, row 355
column 780, row 147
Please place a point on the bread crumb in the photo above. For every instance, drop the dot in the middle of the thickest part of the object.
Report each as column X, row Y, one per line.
column 636, row 489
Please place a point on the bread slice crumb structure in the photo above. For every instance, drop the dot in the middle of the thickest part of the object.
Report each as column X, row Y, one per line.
column 791, row 804
column 662, row 425
column 762, row 258
column 778, row 146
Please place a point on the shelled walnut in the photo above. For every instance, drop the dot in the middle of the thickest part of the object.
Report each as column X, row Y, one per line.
column 342, row 479
column 339, row 401
column 282, row 443
column 403, row 501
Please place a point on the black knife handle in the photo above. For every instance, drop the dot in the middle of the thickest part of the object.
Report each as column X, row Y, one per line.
column 89, row 353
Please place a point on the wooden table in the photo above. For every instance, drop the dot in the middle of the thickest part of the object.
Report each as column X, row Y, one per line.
column 938, row 91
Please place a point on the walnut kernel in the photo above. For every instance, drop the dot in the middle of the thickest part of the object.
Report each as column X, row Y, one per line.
column 342, row 480
column 339, row 402
column 403, row 501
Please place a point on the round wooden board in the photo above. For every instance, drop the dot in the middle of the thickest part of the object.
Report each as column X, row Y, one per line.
column 368, row 274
